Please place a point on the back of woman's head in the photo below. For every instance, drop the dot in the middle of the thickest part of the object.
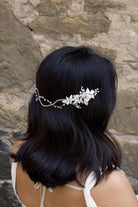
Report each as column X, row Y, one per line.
column 62, row 143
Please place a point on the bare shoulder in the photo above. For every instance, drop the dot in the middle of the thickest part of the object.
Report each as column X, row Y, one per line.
column 115, row 190
column 15, row 148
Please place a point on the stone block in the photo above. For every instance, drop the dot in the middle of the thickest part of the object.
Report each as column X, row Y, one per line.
column 134, row 18
column 35, row 2
column 102, row 5
column 4, row 161
column 129, row 146
column 3, row 132
column 3, row 146
column 134, row 183
column 107, row 53
column 24, row 10
column 20, row 55
column 17, row 134
column 125, row 121
column 53, row 8
column 127, row 98
column 7, row 196
column 125, row 117
column 4, row 166
column 130, row 158
column 86, row 25
column 13, row 110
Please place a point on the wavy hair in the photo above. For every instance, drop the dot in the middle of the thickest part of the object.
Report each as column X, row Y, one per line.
column 63, row 143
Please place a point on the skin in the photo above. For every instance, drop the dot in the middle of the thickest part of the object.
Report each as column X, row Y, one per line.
column 113, row 191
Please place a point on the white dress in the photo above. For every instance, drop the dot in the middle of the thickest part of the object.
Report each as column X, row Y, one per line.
column 90, row 182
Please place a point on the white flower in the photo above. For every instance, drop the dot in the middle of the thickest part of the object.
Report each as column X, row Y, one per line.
column 83, row 97
column 85, row 102
column 92, row 92
column 87, row 91
column 66, row 101
column 71, row 98
column 76, row 99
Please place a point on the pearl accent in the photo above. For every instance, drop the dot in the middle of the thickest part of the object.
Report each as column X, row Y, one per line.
column 83, row 97
column 50, row 190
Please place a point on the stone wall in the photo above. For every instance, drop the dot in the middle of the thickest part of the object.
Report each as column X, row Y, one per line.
column 30, row 29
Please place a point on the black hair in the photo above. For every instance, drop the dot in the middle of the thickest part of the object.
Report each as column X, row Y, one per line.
column 62, row 143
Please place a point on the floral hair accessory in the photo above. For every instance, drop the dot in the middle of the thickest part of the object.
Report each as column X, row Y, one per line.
column 83, row 97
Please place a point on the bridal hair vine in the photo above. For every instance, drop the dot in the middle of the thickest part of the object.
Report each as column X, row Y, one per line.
column 83, row 97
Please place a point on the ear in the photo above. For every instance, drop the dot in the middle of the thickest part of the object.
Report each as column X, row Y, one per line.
column 15, row 149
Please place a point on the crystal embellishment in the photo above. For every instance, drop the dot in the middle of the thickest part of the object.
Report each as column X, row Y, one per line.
column 83, row 97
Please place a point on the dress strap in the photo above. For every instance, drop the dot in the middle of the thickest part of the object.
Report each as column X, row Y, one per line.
column 90, row 182
column 13, row 179
column 74, row 187
column 43, row 197
column 120, row 170
column 13, row 175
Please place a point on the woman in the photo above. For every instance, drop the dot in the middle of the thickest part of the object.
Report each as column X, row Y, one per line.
column 67, row 158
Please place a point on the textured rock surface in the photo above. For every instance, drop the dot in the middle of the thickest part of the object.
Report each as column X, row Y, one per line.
column 125, row 116
column 93, row 24
column 53, row 8
column 7, row 197
column 13, row 108
column 129, row 146
column 122, row 37
column 19, row 59
column 19, row 52
column 23, row 10
column 4, row 161
column 102, row 5
column 30, row 29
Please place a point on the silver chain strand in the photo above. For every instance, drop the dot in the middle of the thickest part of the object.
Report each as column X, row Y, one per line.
column 83, row 97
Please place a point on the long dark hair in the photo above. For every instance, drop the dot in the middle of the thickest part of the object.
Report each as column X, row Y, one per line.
column 62, row 143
